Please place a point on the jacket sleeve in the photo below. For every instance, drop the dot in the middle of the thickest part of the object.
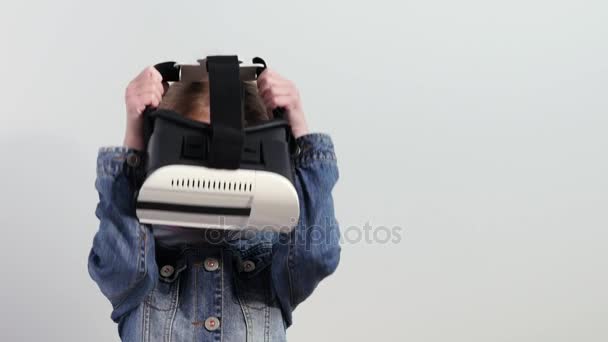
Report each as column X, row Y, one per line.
column 311, row 252
column 122, row 259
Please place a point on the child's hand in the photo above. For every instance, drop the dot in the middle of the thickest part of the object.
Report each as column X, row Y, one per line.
column 277, row 91
column 145, row 90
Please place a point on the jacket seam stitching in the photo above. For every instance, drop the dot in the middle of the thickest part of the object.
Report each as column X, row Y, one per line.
column 139, row 279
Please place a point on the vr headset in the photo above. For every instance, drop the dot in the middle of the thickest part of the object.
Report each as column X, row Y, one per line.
column 218, row 175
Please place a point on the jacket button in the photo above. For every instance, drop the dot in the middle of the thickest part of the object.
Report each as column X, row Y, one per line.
column 212, row 323
column 211, row 264
column 167, row 271
column 248, row 266
column 133, row 160
column 298, row 151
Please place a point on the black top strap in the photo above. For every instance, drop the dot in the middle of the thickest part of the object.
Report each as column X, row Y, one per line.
column 226, row 110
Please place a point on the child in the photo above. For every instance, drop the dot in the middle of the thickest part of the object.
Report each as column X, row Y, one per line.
column 175, row 284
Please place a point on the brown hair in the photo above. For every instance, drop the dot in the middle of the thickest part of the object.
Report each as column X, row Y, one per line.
column 192, row 101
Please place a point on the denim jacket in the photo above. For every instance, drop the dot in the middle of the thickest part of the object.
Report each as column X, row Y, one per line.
column 242, row 289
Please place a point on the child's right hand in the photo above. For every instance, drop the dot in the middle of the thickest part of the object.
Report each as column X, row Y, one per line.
column 146, row 89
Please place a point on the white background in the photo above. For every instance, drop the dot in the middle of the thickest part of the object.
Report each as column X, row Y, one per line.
column 478, row 127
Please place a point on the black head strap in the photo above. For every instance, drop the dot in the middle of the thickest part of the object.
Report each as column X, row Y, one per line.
column 226, row 110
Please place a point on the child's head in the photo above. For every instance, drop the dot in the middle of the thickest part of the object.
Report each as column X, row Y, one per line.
column 192, row 101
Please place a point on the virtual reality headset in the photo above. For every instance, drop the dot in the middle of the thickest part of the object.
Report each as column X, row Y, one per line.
column 219, row 175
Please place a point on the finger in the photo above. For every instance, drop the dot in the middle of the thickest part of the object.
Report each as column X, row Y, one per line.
column 278, row 101
column 278, row 87
column 274, row 78
column 267, row 77
column 136, row 107
column 156, row 88
column 275, row 91
column 150, row 73
column 134, row 91
column 149, row 99
column 160, row 88
column 271, row 79
column 270, row 72
column 265, row 73
column 273, row 102
column 140, row 108
column 262, row 82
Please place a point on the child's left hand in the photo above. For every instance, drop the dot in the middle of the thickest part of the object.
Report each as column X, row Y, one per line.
column 277, row 91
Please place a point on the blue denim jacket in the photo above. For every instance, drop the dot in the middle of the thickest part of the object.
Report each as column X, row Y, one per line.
column 239, row 289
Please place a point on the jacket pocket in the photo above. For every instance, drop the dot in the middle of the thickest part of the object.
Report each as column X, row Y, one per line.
column 252, row 274
column 171, row 264
column 162, row 302
column 164, row 297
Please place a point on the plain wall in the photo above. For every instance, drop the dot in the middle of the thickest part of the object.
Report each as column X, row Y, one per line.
column 476, row 127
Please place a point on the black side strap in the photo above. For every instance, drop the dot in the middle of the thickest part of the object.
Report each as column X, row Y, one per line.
column 278, row 112
column 226, row 107
column 170, row 72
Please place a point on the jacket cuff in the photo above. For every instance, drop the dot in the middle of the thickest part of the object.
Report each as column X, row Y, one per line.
column 114, row 161
column 315, row 146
